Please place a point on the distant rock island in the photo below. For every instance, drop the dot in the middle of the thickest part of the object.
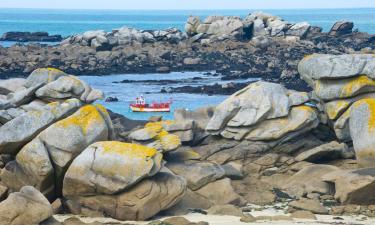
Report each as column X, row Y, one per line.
column 30, row 37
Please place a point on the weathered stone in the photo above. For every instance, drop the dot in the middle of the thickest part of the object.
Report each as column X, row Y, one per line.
column 302, row 214
column 223, row 194
column 109, row 168
column 299, row 29
column 11, row 85
column 197, row 174
column 309, row 180
column 353, row 187
column 43, row 76
column 362, row 131
column 300, row 118
column 344, row 88
column 319, row 66
column 313, row 206
column 140, row 202
column 342, row 28
column 69, row 87
column 22, row 129
column 329, row 151
column 28, row 206
column 228, row 210
column 256, row 102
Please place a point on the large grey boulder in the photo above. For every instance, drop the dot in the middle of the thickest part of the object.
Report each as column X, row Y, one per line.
column 309, row 180
column 43, row 76
column 192, row 25
column 342, row 28
column 69, row 87
column 362, row 131
column 318, row 66
column 11, row 85
column 226, row 26
column 256, row 102
column 110, row 167
column 28, row 206
column 16, row 99
column 299, row 119
column 328, row 151
column 140, row 202
column 89, row 35
column 343, row 88
column 299, row 29
column 43, row 161
column 20, row 130
column 197, row 174
column 353, row 187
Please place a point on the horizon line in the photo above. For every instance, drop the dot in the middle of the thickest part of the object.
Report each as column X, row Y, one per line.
column 136, row 9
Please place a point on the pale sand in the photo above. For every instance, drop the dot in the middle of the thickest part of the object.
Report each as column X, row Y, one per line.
column 232, row 220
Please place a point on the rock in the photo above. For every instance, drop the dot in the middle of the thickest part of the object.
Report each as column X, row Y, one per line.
column 111, row 99
column 200, row 116
column 43, row 76
column 223, row 194
column 11, row 85
column 342, row 28
column 313, row 206
column 140, row 202
column 353, row 187
column 251, row 105
column 344, row 88
column 43, row 161
column 309, row 180
column 302, row 214
column 177, row 221
column 299, row 119
column 362, row 132
column 16, row 99
column 329, row 151
column 30, row 37
column 225, row 210
column 89, row 35
column 247, row 218
column 225, row 26
column 197, row 174
column 23, row 128
column 299, row 29
column 319, row 66
column 28, row 206
column 192, row 25
column 190, row 202
column 57, row 206
column 191, row 61
column 69, row 87
column 233, row 170
column 89, row 173
column 3, row 192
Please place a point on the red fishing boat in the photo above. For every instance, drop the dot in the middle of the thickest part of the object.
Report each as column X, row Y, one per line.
column 140, row 105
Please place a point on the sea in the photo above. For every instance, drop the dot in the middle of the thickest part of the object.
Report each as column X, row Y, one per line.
column 69, row 22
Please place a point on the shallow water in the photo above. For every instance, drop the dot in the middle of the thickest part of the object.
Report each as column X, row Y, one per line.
column 127, row 92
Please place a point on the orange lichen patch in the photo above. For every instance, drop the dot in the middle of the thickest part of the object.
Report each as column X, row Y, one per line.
column 334, row 109
column 305, row 108
column 126, row 149
column 86, row 117
column 370, row 103
column 356, row 84
column 306, row 57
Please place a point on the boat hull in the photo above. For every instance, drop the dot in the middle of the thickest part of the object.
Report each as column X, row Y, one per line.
column 144, row 109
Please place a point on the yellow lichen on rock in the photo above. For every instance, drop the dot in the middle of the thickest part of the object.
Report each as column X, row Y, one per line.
column 157, row 131
column 335, row 108
column 356, row 84
column 102, row 109
column 121, row 148
column 84, row 118
column 370, row 103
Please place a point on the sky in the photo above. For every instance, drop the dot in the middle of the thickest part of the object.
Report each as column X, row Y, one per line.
column 185, row 4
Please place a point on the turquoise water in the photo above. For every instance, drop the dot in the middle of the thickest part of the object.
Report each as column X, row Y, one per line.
column 127, row 92
column 67, row 22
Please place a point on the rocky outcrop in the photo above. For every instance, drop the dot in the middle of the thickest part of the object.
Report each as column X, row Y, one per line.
column 142, row 201
column 342, row 28
column 263, row 112
column 161, row 135
column 28, row 206
column 30, row 36
column 344, row 85
column 89, row 174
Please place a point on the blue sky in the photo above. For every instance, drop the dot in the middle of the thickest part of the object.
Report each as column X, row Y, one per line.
column 185, row 4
